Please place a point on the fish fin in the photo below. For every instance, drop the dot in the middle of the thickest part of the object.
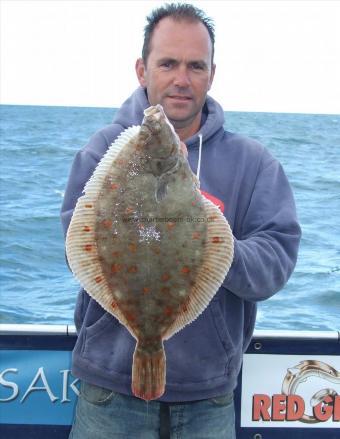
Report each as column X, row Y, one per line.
column 81, row 246
column 108, row 158
column 217, row 259
column 148, row 373
column 83, row 258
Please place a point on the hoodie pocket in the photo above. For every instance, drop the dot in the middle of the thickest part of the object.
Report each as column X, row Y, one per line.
column 201, row 351
column 221, row 327
column 108, row 345
column 99, row 326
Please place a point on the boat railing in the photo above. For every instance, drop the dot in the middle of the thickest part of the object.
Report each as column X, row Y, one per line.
column 289, row 385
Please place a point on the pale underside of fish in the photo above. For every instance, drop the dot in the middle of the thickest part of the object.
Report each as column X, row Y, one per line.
column 146, row 245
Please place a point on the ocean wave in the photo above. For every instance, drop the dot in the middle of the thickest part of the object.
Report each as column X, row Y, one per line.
column 39, row 144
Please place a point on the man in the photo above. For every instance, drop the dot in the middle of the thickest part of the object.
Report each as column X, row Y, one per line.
column 249, row 185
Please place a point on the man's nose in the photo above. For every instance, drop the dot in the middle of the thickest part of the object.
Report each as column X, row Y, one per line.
column 182, row 78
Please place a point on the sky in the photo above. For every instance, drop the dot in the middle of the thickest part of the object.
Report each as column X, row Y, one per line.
column 271, row 55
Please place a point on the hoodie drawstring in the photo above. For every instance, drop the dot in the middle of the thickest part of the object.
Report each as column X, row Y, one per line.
column 199, row 156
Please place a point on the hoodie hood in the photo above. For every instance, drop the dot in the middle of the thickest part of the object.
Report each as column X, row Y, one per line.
column 131, row 113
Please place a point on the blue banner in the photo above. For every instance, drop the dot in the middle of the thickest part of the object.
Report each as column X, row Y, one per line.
column 36, row 387
column 38, row 392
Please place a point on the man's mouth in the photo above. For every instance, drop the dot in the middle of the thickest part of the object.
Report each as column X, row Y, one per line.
column 180, row 98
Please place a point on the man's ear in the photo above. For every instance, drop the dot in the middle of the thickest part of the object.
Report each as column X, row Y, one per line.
column 140, row 72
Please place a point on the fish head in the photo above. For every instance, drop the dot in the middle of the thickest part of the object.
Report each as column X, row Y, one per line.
column 157, row 135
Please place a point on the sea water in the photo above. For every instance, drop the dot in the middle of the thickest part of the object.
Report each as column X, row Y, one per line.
column 37, row 148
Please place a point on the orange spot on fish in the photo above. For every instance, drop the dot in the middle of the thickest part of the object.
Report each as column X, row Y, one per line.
column 165, row 277
column 196, row 235
column 86, row 229
column 184, row 307
column 132, row 247
column 98, row 279
column 88, row 206
column 114, row 186
column 88, row 247
column 107, row 223
column 132, row 269
column 113, row 305
column 146, row 290
column 170, row 225
column 185, row 270
column 116, row 268
column 129, row 210
column 216, row 240
column 130, row 316
column 165, row 290
column 168, row 311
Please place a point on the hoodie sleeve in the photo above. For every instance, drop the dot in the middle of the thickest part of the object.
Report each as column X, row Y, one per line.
column 266, row 252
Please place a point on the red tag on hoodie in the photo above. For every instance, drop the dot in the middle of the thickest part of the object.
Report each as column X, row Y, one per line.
column 214, row 200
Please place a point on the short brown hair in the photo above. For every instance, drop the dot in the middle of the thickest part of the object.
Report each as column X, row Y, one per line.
column 177, row 11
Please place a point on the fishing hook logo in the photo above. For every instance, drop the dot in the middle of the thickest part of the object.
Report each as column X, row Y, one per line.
column 304, row 370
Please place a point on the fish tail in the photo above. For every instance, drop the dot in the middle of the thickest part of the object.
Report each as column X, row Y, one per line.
column 148, row 373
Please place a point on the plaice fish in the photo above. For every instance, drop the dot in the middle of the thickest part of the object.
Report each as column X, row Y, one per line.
column 147, row 245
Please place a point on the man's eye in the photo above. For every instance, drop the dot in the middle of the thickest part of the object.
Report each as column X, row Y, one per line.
column 197, row 66
column 166, row 65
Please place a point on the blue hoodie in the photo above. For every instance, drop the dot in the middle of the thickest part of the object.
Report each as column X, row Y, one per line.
column 203, row 359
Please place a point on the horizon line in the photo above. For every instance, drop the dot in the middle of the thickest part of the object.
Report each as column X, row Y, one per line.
column 225, row 110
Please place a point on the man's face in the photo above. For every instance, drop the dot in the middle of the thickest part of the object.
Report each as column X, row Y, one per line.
column 179, row 71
